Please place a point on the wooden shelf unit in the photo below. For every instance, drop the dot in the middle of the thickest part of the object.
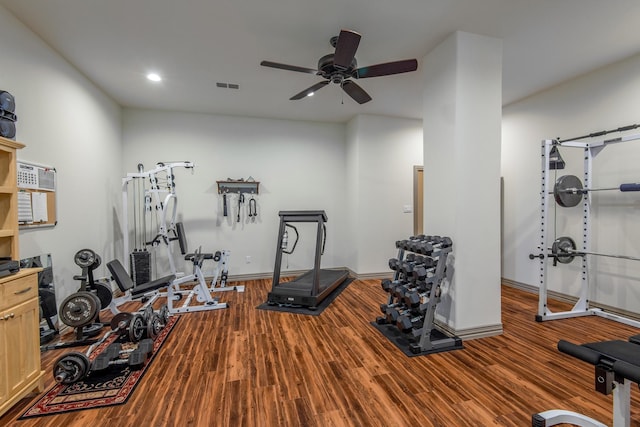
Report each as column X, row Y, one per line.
column 9, row 232
column 20, row 367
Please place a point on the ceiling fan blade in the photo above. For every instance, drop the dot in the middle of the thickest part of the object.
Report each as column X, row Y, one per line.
column 346, row 47
column 309, row 90
column 386, row 69
column 355, row 92
column 288, row 67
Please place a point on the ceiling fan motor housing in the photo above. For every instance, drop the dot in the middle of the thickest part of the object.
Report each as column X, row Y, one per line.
column 328, row 70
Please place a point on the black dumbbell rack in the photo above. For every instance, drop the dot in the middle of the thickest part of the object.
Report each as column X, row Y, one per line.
column 414, row 292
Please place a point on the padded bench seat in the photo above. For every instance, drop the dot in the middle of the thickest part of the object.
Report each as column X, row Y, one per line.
column 125, row 283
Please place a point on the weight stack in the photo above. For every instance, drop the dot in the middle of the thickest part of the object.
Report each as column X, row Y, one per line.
column 140, row 266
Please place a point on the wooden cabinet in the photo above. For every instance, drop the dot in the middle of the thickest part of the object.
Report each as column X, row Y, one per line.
column 8, row 199
column 20, row 371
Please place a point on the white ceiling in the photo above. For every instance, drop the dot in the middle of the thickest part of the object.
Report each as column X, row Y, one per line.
column 196, row 43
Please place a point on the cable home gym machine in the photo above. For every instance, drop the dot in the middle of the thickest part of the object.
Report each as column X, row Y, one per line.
column 568, row 191
column 309, row 289
column 158, row 196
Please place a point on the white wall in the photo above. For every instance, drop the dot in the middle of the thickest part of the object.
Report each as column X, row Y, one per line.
column 601, row 100
column 359, row 173
column 65, row 122
column 300, row 165
column 382, row 154
column 462, row 115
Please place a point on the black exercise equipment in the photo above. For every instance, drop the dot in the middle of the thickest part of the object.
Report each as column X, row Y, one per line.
column 555, row 159
column 253, row 209
column 7, row 115
column 309, row 289
column 240, row 201
column 114, row 355
column 74, row 366
column 616, row 365
column 81, row 309
column 224, row 205
column 47, row 296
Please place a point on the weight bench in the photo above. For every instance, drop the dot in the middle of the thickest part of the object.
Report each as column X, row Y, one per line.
column 617, row 364
column 197, row 258
column 131, row 292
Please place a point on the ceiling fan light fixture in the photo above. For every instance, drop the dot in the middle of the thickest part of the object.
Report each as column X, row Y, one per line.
column 154, row 77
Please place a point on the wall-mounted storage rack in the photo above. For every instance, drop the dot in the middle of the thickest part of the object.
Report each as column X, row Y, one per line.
column 238, row 187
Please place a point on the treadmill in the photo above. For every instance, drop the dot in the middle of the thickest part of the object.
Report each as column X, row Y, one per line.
column 309, row 289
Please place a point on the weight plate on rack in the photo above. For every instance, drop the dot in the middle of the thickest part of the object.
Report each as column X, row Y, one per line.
column 568, row 191
column 71, row 367
column 154, row 326
column 564, row 245
column 85, row 258
column 103, row 291
column 137, row 328
column 164, row 313
column 147, row 313
column 79, row 309
column 120, row 318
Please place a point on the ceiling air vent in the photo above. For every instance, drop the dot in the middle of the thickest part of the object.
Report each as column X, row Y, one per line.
column 228, row 85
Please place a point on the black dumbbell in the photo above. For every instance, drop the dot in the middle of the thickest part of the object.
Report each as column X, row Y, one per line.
column 388, row 285
column 400, row 290
column 394, row 313
column 408, row 266
column 407, row 322
column 395, row 264
column 392, row 306
column 414, row 298
column 421, row 272
column 136, row 358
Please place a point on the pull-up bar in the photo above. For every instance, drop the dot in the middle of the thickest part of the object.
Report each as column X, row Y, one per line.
column 600, row 133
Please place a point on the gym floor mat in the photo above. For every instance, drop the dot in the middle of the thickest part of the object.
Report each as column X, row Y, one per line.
column 305, row 310
column 393, row 334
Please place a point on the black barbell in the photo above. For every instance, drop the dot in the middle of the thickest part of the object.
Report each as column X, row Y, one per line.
column 564, row 250
column 568, row 190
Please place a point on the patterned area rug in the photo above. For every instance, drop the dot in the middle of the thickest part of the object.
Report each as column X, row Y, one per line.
column 111, row 387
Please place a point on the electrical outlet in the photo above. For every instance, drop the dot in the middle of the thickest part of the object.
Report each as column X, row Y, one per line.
column 247, row 259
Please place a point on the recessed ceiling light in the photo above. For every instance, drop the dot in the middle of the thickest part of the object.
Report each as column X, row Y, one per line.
column 310, row 94
column 154, row 77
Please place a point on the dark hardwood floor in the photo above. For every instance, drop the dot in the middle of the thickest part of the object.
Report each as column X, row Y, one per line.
column 247, row 367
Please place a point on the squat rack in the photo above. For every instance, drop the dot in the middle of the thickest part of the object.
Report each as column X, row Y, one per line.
column 591, row 150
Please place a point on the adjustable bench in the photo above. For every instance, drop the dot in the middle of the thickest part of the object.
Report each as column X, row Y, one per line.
column 197, row 258
column 131, row 292
column 617, row 364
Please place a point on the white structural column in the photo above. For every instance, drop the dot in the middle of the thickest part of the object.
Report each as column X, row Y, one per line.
column 462, row 139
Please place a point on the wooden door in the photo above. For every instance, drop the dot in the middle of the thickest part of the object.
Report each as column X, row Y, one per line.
column 418, row 200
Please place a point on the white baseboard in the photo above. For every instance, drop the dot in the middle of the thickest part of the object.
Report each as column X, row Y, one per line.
column 570, row 299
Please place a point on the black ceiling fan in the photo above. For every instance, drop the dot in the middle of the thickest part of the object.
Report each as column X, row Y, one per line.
column 340, row 67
